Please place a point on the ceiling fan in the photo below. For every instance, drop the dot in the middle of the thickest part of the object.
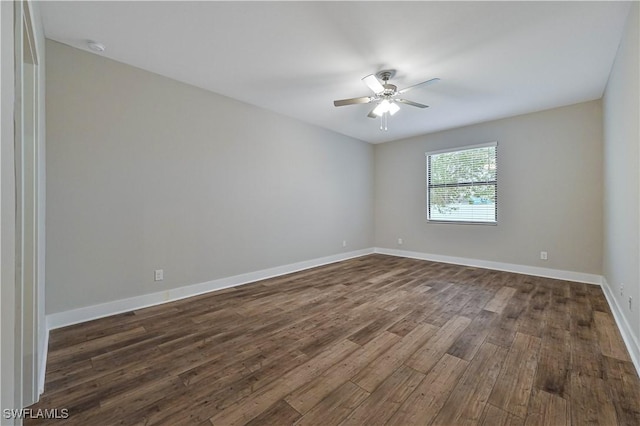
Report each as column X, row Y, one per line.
column 385, row 96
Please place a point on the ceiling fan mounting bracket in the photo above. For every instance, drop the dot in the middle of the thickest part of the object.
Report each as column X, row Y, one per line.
column 385, row 75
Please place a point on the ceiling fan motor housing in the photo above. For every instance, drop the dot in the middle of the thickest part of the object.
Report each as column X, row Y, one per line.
column 385, row 75
column 389, row 89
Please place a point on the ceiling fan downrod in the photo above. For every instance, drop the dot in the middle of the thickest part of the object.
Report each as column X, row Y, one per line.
column 384, row 121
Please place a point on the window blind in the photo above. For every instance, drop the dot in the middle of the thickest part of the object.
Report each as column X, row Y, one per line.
column 462, row 184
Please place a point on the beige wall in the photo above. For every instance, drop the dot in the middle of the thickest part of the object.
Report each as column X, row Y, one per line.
column 549, row 192
column 622, row 176
column 147, row 173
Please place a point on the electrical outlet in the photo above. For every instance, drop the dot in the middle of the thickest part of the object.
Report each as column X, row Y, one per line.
column 543, row 255
column 399, row 241
column 630, row 303
column 621, row 289
column 158, row 275
column 344, row 243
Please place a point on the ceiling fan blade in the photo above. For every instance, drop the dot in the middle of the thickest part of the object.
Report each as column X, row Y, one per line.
column 371, row 114
column 415, row 104
column 374, row 84
column 424, row 83
column 352, row 101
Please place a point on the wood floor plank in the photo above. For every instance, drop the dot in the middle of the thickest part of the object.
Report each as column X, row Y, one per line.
column 533, row 316
column 278, row 414
column 554, row 362
column 494, row 416
column 246, row 410
column 624, row 389
column 335, row 407
column 90, row 348
column 503, row 328
column 547, row 409
column 378, row 407
column 386, row 275
column 430, row 353
column 247, row 384
column 68, row 376
column 374, row 328
column 468, row 399
column 368, row 340
column 196, row 403
column 424, row 403
column 500, row 300
column 597, row 299
column 590, row 401
column 513, row 387
column 130, row 404
column 78, row 333
column 404, row 326
column 307, row 396
column 586, row 356
column 479, row 298
column 472, row 337
column 377, row 371
column 146, row 392
column 557, row 314
column 447, row 310
column 609, row 338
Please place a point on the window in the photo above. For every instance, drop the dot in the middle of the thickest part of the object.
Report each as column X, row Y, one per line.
column 462, row 185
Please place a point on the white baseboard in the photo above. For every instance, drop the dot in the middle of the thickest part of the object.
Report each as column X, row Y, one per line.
column 75, row 316
column 630, row 339
column 498, row 266
column 88, row 313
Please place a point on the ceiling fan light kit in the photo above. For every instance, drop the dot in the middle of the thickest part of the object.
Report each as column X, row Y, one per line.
column 385, row 96
column 386, row 106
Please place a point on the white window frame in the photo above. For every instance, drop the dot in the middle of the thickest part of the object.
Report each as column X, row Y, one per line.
column 428, row 189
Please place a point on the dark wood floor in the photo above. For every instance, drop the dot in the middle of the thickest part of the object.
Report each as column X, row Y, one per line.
column 373, row 340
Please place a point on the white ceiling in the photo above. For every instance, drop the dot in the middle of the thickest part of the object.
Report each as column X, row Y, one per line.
column 495, row 59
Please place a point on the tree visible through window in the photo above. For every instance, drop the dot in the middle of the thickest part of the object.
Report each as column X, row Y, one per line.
column 462, row 184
